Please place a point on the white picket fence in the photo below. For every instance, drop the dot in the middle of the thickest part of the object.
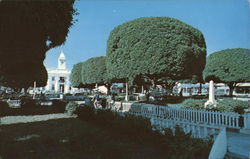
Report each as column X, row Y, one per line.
column 204, row 117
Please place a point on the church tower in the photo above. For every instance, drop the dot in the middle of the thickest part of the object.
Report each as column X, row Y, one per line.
column 61, row 62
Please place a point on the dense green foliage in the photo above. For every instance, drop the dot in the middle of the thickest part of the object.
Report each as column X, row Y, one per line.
column 76, row 76
column 73, row 138
column 230, row 105
column 155, row 47
column 139, row 130
column 225, row 105
column 196, row 104
column 94, row 71
column 229, row 66
column 29, row 29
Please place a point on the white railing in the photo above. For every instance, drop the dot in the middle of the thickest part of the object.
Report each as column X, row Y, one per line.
column 208, row 117
column 197, row 130
column 219, row 148
column 230, row 120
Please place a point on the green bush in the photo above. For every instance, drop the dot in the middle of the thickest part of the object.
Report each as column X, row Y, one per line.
column 174, row 99
column 71, row 107
column 230, row 105
column 196, row 104
column 225, row 105
column 85, row 113
column 4, row 107
column 104, row 117
column 59, row 105
column 139, row 130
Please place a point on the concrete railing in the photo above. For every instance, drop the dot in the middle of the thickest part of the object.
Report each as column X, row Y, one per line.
column 197, row 130
column 205, row 117
column 219, row 148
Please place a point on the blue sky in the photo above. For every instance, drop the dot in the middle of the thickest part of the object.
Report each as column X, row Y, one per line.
column 224, row 24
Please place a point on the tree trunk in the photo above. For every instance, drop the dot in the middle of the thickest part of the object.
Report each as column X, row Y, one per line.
column 108, row 89
column 231, row 88
column 200, row 89
column 153, row 84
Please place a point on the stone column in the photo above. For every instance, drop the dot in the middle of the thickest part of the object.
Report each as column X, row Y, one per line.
column 211, row 98
column 142, row 89
column 56, row 84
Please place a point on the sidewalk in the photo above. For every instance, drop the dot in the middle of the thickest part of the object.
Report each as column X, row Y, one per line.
column 32, row 118
column 239, row 144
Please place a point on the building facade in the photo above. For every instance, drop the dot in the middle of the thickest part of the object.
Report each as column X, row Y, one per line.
column 58, row 79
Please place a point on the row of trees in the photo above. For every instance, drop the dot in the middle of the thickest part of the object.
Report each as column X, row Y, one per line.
column 161, row 50
column 155, row 50
column 28, row 29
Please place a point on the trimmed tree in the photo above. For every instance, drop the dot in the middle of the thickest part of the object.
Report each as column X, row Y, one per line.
column 230, row 66
column 75, row 76
column 28, row 30
column 155, row 48
column 94, row 71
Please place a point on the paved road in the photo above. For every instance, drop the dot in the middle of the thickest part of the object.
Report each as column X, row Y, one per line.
column 35, row 118
column 239, row 144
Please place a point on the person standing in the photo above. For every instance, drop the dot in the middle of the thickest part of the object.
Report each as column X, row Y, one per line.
column 97, row 100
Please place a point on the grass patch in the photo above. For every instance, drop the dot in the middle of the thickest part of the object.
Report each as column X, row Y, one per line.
column 74, row 138
column 69, row 138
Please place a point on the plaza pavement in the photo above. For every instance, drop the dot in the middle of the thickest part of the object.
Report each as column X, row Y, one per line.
column 238, row 145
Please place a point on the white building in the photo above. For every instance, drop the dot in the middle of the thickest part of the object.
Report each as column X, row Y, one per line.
column 58, row 79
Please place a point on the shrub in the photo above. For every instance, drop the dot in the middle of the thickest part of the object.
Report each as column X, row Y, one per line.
column 28, row 103
column 59, row 106
column 230, row 105
column 193, row 104
column 4, row 108
column 174, row 99
column 104, row 117
column 71, row 107
column 139, row 129
column 86, row 113
column 225, row 105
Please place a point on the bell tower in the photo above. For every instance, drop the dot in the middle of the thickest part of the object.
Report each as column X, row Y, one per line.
column 61, row 62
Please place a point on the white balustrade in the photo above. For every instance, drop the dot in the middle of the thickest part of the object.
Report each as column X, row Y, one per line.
column 204, row 117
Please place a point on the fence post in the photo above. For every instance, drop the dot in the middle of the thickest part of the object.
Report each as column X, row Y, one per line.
column 246, row 128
